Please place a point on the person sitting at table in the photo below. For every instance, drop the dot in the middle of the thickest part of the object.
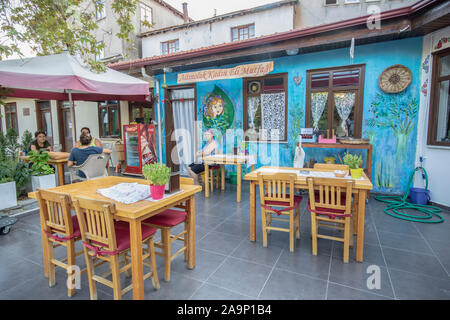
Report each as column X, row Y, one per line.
column 79, row 155
column 40, row 142
column 94, row 142
column 210, row 148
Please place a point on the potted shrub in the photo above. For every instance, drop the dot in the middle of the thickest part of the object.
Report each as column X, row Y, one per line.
column 42, row 174
column 158, row 175
column 8, row 196
column 354, row 162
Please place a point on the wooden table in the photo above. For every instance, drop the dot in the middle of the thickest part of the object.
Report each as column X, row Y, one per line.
column 366, row 146
column 222, row 160
column 59, row 163
column 134, row 214
column 360, row 190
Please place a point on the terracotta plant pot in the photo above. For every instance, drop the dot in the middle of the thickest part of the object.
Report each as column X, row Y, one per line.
column 157, row 192
column 356, row 173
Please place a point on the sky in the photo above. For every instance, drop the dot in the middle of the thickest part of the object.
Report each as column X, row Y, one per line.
column 202, row 9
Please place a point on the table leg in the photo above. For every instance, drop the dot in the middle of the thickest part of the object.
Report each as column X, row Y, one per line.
column 60, row 167
column 191, row 243
column 360, row 233
column 206, row 180
column 252, row 211
column 137, row 268
column 222, row 175
column 239, row 183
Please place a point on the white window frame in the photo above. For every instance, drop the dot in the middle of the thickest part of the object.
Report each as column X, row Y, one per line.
column 146, row 8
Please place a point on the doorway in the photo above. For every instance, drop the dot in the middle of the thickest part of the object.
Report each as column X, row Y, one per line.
column 44, row 119
column 182, row 100
column 65, row 126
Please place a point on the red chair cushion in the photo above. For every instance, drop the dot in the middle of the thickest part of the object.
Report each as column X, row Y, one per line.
column 167, row 218
column 76, row 227
column 327, row 211
column 123, row 234
column 297, row 200
column 214, row 167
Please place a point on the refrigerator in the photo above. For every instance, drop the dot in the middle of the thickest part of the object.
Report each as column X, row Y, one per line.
column 139, row 146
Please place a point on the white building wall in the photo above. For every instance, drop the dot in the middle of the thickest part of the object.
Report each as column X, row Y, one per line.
column 436, row 158
column 309, row 13
column 266, row 22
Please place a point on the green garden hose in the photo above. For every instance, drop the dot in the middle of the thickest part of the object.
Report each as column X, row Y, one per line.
column 397, row 203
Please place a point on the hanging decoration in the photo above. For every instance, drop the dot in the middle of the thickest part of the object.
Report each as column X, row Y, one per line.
column 395, row 79
column 318, row 103
column 297, row 80
column 344, row 102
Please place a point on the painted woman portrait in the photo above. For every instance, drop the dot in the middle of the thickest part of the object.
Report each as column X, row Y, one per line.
column 218, row 110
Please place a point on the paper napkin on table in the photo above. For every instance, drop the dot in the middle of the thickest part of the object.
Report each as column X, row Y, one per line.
column 126, row 193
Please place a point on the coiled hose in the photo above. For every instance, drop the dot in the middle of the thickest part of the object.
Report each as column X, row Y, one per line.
column 397, row 203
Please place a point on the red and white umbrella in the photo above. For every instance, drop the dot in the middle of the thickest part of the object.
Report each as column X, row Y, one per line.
column 63, row 77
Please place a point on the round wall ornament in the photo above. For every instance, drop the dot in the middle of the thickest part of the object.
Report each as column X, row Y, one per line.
column 395, row 79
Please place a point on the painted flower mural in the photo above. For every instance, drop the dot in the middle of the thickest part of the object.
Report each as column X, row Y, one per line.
column 218, row 110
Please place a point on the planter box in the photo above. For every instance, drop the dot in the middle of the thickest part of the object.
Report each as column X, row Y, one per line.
column 43, row 182
column 8, row 197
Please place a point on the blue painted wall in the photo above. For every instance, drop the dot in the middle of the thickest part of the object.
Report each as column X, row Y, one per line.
column 394, row 152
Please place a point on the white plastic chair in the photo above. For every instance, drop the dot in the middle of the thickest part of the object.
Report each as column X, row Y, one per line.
column 110, row 146
column 94, row 167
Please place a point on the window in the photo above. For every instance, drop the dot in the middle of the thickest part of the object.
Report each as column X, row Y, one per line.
column 331, row 2
column 146, row 15
column 11, row 116
column 334, row 100
column 243, row 32
column 439, row 121
column 351, row 1
column 101, row 52
column 109, row 119
column 265, row 108
column 170, row 46
column 100, row 10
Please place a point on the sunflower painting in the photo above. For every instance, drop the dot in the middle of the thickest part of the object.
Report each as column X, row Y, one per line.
column 218, row 110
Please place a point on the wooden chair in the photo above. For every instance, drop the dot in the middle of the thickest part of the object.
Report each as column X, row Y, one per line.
column 165, row 221
column 330, row 204
column 106, row 239
column 214, row 177
column 277, row 190
column 328, row 166
column 59, row 229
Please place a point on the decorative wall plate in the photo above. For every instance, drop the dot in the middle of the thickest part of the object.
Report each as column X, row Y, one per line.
column 254, row 87
column 395, row 79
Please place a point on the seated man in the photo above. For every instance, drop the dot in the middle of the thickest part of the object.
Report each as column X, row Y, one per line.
column 79, row 155
column 211, row 148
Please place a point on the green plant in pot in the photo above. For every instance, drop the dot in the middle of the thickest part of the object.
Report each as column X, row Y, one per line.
column 158, row 175
column 42, row 174
column 354, row 162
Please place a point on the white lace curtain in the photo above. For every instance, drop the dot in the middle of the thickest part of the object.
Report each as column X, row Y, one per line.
column 344, row 103
column 318, row 103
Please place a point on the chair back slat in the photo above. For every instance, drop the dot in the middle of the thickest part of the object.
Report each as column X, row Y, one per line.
column 330, row 194
column 96, row 219
column 277, row 187
column 55, row 210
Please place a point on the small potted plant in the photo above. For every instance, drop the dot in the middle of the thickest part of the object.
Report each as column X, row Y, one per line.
column 354, row 162
column 158, row 175
column 42, row 174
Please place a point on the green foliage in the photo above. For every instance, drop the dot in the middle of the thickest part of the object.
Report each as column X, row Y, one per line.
column 12, row 170
column 8, row 144
column 157, row 174
column 352, row 160
column 49, row 27
column 40, row 165
column 27, row 139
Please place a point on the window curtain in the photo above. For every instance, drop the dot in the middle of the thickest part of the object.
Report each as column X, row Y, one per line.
column 344, row 104
column 318, row 103
column 184, row 125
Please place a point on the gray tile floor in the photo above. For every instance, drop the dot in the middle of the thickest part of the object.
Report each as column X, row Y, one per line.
column 412, row 259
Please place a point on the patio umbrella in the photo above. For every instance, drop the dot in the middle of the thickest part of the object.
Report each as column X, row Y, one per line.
column 63, row 77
